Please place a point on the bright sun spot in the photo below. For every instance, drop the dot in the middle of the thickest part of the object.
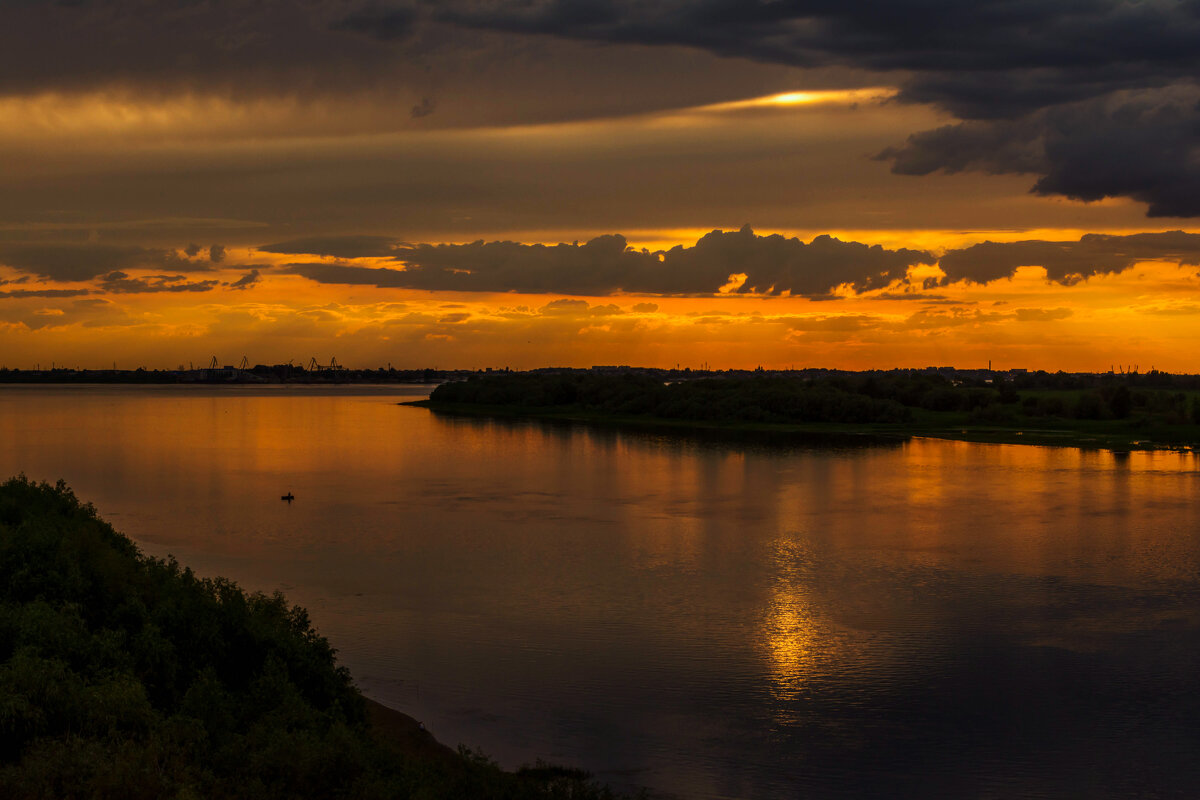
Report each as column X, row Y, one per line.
column 825, row 97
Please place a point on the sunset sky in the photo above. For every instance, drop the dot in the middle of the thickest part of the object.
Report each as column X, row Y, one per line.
column 473, row 183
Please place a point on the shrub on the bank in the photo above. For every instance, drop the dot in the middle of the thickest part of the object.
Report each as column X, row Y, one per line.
column 123, row 676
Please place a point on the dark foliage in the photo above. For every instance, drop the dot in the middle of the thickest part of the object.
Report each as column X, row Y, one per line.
column 756, row 399
column 123, row 676
column 888, row 397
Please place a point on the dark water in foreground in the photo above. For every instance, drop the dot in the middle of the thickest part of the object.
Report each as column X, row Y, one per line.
column 711, row 618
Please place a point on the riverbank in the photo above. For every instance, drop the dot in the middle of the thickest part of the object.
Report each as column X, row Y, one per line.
column 1114, row 435
column 130, row 677
column 406, row 735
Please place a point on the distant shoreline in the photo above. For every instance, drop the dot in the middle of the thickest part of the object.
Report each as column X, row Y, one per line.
column 230, row 376
column 1084, row 439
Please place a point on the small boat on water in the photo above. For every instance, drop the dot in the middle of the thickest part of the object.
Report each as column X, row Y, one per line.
column 289, row 497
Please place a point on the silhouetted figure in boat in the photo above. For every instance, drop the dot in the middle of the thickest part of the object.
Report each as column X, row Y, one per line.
column 289, row 497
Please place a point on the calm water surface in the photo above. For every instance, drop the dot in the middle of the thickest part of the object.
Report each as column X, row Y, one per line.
column 705, row 618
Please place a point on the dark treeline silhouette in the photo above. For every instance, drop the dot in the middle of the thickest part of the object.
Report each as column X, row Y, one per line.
column 123, row 676
column 1160, row 396
column 895, row 396
column 782, row 396
column 763, row 399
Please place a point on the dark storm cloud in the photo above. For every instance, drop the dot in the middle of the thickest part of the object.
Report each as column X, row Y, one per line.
column 248, row 280
column 72, row 262
column 772, row 265
column 387, row 24
column 335, row 246
column 1069, row 262
column 565, row 306
column 600, row 266
column 578, row 308
column 247, row 45
column 122, row 283
column 776, row 264
column 18, row 293
column 984, row 59
column 1096, row 97
column 1142, row 145
column 216, row 253
column 382, row 278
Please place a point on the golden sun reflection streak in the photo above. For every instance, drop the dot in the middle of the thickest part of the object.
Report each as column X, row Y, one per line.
column 789, row 631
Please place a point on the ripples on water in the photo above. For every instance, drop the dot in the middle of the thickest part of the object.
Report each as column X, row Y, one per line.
column 710, row 616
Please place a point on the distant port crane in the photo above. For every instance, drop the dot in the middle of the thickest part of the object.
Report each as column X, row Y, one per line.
column 315, row 366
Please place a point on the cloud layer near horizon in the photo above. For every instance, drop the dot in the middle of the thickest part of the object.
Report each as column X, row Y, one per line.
column 1090, row 300
column 720, row 262
column 769, row 265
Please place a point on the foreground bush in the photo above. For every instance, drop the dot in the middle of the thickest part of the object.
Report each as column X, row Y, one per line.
column 123, row 676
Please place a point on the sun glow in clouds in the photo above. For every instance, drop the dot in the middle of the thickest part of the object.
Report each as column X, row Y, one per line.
column 846, row 97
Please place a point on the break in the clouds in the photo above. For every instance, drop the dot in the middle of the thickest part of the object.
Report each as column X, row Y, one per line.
column 755, row 264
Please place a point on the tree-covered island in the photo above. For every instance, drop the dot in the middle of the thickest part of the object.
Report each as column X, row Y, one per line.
column 1111, row 410
column 128, row 677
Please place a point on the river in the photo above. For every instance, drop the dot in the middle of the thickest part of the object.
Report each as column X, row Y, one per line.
column 709, row 617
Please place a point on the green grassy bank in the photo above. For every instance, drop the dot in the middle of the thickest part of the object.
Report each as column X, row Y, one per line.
column 123, row 676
